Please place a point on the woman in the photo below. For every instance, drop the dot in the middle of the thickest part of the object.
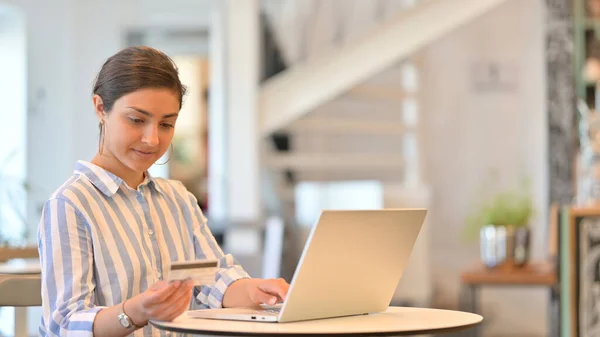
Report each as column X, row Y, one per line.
column 111, row 231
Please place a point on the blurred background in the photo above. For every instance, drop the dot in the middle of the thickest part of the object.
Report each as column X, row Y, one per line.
column 481, row 111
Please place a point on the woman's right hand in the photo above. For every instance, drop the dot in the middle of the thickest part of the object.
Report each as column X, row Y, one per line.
column 163, row 301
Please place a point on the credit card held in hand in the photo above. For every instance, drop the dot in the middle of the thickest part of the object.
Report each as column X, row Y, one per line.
column 201, row 271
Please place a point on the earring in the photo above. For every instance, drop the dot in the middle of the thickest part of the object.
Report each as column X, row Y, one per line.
column 101, row 140
column 170, row 156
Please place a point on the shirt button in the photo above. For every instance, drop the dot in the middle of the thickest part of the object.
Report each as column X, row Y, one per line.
column 151, row 232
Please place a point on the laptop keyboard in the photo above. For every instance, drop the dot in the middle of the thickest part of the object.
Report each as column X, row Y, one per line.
column 269, row 312
column 272, row 310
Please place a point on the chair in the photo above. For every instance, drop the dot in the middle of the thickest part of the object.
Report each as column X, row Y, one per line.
column 20, row 291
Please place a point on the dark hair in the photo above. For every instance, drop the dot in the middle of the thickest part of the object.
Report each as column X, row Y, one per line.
column 136, row 68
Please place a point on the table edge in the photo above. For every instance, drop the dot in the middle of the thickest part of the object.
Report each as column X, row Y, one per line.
column 357, row 334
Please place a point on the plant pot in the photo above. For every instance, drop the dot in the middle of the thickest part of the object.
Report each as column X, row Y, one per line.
column 492, row 245
column 504, row 245
column 521, row 246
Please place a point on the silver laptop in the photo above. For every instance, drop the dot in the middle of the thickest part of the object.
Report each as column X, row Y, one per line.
column 351, row 265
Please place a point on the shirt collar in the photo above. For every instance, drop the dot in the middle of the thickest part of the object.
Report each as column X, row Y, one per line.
column 107, row 182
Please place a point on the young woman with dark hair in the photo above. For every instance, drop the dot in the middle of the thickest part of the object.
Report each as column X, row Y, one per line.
column 109, row 234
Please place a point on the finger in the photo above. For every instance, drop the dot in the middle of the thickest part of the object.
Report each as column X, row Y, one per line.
column 280, row 299
column 278, row 288
column 172, row 310
column 175, row 305
column 182, row 288
column 160, row 294
column 285, row 287
column 158, row 285
column 274, row 286
column 166, row 312
column 181, row 308
column 184, row 293
column 261, row 297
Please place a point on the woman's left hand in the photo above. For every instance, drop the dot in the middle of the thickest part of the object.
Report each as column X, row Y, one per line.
column 269, row 291
column 255, row 291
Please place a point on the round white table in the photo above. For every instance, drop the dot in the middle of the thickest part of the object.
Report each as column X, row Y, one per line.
column 395, row 321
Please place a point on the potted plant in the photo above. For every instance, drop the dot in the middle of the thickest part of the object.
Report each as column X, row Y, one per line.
column 502, row 225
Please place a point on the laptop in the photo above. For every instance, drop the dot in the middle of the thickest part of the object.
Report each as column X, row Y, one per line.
column 351, row 265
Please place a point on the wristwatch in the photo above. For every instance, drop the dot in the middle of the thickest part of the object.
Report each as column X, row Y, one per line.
column 124, row 320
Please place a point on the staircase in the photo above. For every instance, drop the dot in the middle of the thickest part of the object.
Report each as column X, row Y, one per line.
column 318, row 75
column 305, row 33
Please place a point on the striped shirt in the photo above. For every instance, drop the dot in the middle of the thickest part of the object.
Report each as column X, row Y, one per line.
column 102, row 242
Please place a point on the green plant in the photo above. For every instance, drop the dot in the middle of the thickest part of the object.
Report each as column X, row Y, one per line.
column 507, row 208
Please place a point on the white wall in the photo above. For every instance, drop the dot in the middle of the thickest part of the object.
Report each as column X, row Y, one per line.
column 467, row 131
column 14, row 116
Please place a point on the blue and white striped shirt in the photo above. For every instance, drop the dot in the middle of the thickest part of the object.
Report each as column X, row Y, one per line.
column 102, row 242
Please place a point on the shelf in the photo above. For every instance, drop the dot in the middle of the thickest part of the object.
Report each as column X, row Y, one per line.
column 585, row 211
column 533, row 273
